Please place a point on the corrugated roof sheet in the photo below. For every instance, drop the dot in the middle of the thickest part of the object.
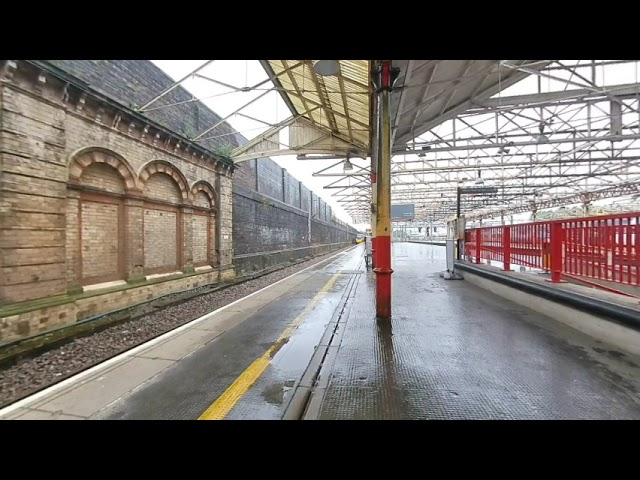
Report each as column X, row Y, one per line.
column 338, row 103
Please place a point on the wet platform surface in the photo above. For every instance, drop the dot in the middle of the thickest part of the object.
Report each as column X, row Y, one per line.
column 455, row 351
column 451, row 351
column 187, row 389
column 250, row 353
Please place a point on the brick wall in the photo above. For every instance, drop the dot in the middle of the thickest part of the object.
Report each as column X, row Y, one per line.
column 162, row 187
column 292, row 190
column 263, row 225
column 225, row 221
column 245, row 174
column 91, row 192
column 161, row 226
column 305, row 198
column 270, row 179
column 201, row 200
column 33, row 190
column 200, row 229
column 268, row 232
column 100, row 245
column 138, row 81
column 160, row 240
column 69, row 311
column 103, row 177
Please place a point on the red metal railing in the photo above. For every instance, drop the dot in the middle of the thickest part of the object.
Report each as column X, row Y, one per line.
column 602, row 248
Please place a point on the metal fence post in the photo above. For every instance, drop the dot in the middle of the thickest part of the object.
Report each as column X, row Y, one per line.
column 506, row 248
column 557, row 239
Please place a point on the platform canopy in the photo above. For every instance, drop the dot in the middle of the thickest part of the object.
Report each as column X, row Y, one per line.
column 545, row 133
column 336, row 109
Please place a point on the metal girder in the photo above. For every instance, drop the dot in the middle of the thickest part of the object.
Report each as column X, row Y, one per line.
column 593, row 87
column 305, row 138
column 197, row 137
column 308, row 110
column 324, row 99
column 464, row 105
column 628, row 188
column 472, row 147
column 554, row 98
column 510, row 165
column 174, row 86
column 403, row 97
column 468, row 127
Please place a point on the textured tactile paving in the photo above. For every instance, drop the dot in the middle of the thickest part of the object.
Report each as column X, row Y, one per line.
column 454, row 351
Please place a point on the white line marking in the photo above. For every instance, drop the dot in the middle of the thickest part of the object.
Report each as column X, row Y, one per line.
column 129, row 353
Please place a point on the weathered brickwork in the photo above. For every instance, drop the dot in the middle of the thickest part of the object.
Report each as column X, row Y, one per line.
column 225, row 221
column 305, row 199
column 160, row 240
column 100, row 226
column 103, row 177
column 100, row 240
column 268, row 232
column 92, row 192
column 33, row 190
column 292, row 189
column 15, row 326
column 137, row 82
column 199, row 227
column 245, row 174
column 202, row 200
column 270, row 179
column 277, row 219
column 162, row 187
column 72, row 247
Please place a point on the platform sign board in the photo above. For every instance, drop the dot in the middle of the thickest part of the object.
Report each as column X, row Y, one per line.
column 403, row 212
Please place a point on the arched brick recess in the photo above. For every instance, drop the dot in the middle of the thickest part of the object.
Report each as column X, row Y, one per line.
column 160, row 166
column 203, row 224
column 163, row 188
column 85, row 157
column 166, row 237
column 96, row 224
column 203, row 187
column 103, row 176
column 201, row 200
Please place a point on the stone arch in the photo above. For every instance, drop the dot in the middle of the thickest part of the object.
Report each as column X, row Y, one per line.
column 84, row 157
column 161, row 166
column 204, row 227
column 207, row 189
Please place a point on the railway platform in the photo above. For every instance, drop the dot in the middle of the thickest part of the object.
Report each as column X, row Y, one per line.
column 309, row 347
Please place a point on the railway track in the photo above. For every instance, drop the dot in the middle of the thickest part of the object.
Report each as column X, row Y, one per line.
column 40, row 363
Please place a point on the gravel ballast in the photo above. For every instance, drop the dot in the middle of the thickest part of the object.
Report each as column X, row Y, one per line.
column 33, row 374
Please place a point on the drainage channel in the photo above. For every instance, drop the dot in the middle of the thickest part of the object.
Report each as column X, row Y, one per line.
column 306, row 401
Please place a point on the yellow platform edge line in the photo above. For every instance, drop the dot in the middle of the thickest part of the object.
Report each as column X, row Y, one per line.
column 225, row 402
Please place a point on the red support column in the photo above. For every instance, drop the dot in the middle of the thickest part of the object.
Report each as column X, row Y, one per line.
column 506, row 248
column 374, row 178
column 478, row 245
column 383, row 268
column 557, row 239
